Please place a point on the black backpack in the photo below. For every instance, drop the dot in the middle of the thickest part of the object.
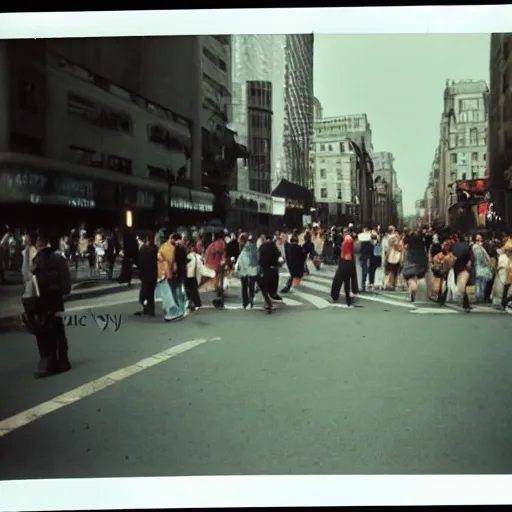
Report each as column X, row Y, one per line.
column 53, row 277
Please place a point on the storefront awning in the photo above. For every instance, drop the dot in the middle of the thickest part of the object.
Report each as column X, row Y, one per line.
column 290, row 190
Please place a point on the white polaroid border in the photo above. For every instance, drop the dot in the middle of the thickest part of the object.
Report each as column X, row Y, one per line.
column 347, row 20
column 256, row 491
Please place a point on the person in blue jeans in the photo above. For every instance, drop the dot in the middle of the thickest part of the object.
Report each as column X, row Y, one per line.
column 366, row 254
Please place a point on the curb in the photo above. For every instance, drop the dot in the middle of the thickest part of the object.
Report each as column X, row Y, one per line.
column 12, row 323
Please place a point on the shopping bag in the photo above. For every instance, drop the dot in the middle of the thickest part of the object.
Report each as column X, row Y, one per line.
column 310, row 266
column 453, row 292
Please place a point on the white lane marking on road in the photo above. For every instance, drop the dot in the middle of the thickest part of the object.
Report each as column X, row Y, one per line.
column 291, row 302
column 475, row 309
column 327, row 290
column 318, row 302
column 24, row 418
column 433, row 311
column 384, row 300
column 117, row 301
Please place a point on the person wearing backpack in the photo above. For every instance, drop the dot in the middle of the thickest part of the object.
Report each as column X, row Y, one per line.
column 52, row 281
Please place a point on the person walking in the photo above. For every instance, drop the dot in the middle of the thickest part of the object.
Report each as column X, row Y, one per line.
column 295, row 258
column 130, row 250
column 366, row 247
column 345, row 276
column 269, row 261
column 148, row 271
column 416, row 261
column 248, row 269
column 52, row 281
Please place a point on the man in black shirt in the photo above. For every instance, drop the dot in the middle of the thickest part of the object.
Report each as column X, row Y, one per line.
column 462, row 268
column 269, row 280
column 148, row 270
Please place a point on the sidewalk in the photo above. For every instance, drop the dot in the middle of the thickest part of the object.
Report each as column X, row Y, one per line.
column 10, row 298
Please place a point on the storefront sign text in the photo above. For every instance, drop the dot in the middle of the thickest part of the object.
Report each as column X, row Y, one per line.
column 185, row 204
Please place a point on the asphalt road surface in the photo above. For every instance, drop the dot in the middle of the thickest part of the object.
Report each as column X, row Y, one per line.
column 310, row 389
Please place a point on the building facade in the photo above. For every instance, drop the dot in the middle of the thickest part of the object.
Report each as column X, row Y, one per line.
column 463, row 140
column 318, row 111
column 281, row 66
column 385, row 180
column 258, row 78
column 500, row 129
column 298, row 121
column 333, row 163
column 399, row 207
column 99, row 125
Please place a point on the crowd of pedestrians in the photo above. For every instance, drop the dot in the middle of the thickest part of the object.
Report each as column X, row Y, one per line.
column 175, row 267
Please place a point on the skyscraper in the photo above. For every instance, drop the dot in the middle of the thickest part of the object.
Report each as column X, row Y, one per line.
column 272, row 85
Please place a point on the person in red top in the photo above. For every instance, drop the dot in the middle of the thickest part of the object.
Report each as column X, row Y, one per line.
column 346, row 274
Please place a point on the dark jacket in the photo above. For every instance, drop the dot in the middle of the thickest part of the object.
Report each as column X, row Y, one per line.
column 309, row 249
column 53, row 278
column 147, row 263
column 462, row 251
column 365, row 244
column 269, row 255
column 130, row 246
column 181, row 260
column 232, row 249
column 113, row 248
column 295, row 258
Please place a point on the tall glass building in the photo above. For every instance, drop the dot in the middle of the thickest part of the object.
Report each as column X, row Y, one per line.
column 272, row 112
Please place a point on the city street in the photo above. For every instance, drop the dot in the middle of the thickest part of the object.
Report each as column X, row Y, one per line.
column 313, row 388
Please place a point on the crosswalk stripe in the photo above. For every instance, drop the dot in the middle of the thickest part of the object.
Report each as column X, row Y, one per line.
column 318, row 302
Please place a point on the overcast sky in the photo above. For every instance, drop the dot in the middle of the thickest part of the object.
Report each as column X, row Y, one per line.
column 398, row 81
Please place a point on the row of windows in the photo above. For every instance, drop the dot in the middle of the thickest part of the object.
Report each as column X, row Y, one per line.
column 323, row 174
column 84, row 156
column 216, row 61
column 475, row 174
column 469, row 116
column 471, row 104
column 260, row 120
column 462, row 158
column 476, row 138
column 99, row 116
column 259, row 146
column 118, row 121
column 349, row 122
column 161, row 174
column 323, row 161
column 324, row 194
column 88, row 157
column 115, row 90
column 259, row 96
column 219, row 90
column 335, row 147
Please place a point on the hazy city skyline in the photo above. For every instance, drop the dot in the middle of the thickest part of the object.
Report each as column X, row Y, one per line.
column 398, row 81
